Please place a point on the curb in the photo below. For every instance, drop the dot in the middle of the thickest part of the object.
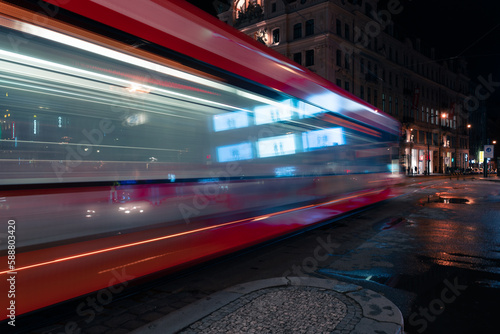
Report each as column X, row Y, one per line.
column 491, row 179
column 363, row 311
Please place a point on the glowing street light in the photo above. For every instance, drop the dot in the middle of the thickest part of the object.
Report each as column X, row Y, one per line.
column 468, row 144
column 443, row 116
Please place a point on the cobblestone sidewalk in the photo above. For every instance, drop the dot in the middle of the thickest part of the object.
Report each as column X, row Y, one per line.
column 285, row 305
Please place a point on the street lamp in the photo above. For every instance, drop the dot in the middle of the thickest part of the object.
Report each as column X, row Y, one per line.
column 498, row 161
column 443, row 116
column 409, row 140
column 468, row 146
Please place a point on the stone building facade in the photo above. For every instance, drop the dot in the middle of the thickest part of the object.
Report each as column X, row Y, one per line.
column 353, row 44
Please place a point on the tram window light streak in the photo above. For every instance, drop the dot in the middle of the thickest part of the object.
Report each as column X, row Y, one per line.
column 232, row 120
column 338, row 104
column 112, row 54
column 276, row 146
column 273, row 113
column 136, row 119
column 322, row 138
column 307, row 110
column 62, row 71
column 355, row 106
column 284, row 171
column 331, row 101
column 393, row 168
column 242, row 151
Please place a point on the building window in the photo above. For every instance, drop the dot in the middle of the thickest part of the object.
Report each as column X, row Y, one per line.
column 346, row 86
column 297, row 31
column 339, row 82
column 339, row 27
column 346, row 32
column 309, row 27
column 309, row 57
column 362, row 92
column 361, row 65
column 396, row 110
column 390, row 105
column 346, row 61
column 297, row 57
column 273, row 7
column 368, row 95
column 383, row 102
column 276, row 36
column 375, row 98
column 339, row 58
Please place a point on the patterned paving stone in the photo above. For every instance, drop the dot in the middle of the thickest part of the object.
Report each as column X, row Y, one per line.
column 283, row 306
column 277, row 310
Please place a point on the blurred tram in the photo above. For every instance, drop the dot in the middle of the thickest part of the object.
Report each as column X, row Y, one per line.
column 146, row 136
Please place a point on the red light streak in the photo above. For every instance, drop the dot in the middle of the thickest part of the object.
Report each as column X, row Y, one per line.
column 350, row 125
column 142, row 242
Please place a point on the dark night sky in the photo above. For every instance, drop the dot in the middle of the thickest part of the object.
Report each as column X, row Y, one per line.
column 457, row 28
